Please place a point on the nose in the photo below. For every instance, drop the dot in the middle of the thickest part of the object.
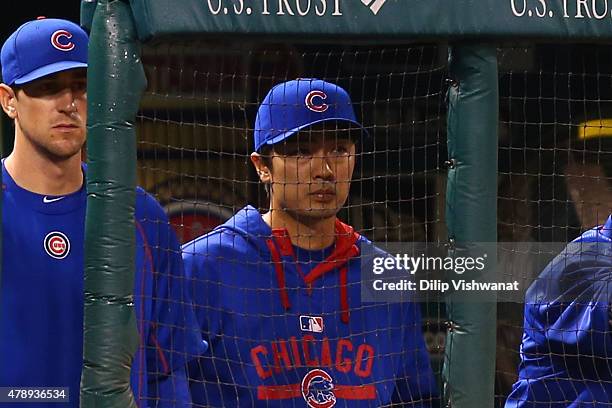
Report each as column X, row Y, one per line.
column 323, row 166
column 67, row 102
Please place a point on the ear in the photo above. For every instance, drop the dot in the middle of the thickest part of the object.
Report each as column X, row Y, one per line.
column 7, row 100
column 265, row 176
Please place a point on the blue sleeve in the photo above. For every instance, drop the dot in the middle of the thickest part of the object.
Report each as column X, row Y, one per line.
column 172, row 391
column 174, row 336
column 570, row 328
column 415, row 385
column 202, row 264
column 567, row 309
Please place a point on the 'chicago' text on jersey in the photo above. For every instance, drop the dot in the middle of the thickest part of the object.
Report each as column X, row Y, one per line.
column 339, row 356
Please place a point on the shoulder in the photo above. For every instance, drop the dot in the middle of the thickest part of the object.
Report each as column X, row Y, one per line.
column 203, row 244
column 148, row 208
column 580, row 254
column 581, row 269
column 221, row 244
column 152, row 222
column 218, row 253
column 367, row 247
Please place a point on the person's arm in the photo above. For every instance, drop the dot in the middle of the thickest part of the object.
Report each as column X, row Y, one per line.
column 567, row 307
column 203, row 263
column 172, row 390
column 415, row 386
column 174, row 336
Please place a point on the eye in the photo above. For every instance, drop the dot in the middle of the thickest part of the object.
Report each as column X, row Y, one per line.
column 43, row 88
column 80, row 86
column 341, row 150
column 302, row 151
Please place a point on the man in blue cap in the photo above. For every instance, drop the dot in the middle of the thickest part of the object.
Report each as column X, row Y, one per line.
column 44, row 92
column 566, row 347
column 567, row 342
column 277, row 294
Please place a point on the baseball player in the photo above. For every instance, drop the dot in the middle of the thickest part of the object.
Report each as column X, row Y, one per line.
column 278, row 295
column 41, row 291
column 567, row 343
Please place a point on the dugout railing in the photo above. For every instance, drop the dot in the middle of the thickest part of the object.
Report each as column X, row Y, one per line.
column 430, row 176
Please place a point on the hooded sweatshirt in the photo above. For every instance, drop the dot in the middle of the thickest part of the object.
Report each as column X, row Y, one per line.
column 286, row 326
column 567, row 342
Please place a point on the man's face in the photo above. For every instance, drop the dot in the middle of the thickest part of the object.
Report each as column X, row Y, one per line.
column 311, row 173
column 52, row 113
column 589, row 189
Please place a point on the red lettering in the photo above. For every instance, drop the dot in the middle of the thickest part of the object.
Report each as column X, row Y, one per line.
column 279, row 355
column 343, row 364
column 306, row 340
column 295, row 351
column 286, row 355
column 326, row 360
column 261, row 372
column 369, row 360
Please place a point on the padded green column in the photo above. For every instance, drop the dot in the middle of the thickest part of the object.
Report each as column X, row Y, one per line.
column 471, row 216
column 115, row 84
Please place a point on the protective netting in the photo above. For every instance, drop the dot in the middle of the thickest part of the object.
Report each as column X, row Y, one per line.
column 554, row 184
column 274, row 339
column 195, row 140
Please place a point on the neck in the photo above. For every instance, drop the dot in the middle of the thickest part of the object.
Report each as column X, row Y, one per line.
column 40, row 174
column 307, row 233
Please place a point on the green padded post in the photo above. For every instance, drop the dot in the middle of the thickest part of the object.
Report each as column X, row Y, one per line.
column 88, row 8
column 115, row 84
column 471, row 216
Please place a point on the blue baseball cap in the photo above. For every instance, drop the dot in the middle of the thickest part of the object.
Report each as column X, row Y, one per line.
column 42, row 47
column 292, row 106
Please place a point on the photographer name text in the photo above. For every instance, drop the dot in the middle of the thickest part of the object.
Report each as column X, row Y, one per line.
column 438, row 285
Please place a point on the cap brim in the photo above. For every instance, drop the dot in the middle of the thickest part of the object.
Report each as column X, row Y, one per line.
column 291, row 132
column 48, row 70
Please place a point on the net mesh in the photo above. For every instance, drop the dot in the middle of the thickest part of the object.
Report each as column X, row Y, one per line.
column 195, row 135
column 554, row 184
column 195, row 138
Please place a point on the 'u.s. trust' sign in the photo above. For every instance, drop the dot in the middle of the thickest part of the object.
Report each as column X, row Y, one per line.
column 286, row 7
column 408, row 19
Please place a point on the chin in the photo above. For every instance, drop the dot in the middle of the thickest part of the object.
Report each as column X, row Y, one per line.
column 61, row 154
column 314, row 214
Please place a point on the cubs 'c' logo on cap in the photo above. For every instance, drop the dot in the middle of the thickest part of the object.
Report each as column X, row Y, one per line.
column 314, row 101
column 57, row 245
column 61, row 40
column 318, row 389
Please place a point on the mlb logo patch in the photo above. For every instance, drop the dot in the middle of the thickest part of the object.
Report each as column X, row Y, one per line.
column 311, row 324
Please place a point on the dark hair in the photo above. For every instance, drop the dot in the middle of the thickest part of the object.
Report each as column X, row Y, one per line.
column 266, row 153
column 16, row 88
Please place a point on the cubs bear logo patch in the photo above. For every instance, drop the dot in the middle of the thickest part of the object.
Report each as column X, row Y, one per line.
column 318, row 389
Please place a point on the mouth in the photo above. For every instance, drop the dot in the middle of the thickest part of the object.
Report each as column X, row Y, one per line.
column 65, row 127
column 324, row 194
